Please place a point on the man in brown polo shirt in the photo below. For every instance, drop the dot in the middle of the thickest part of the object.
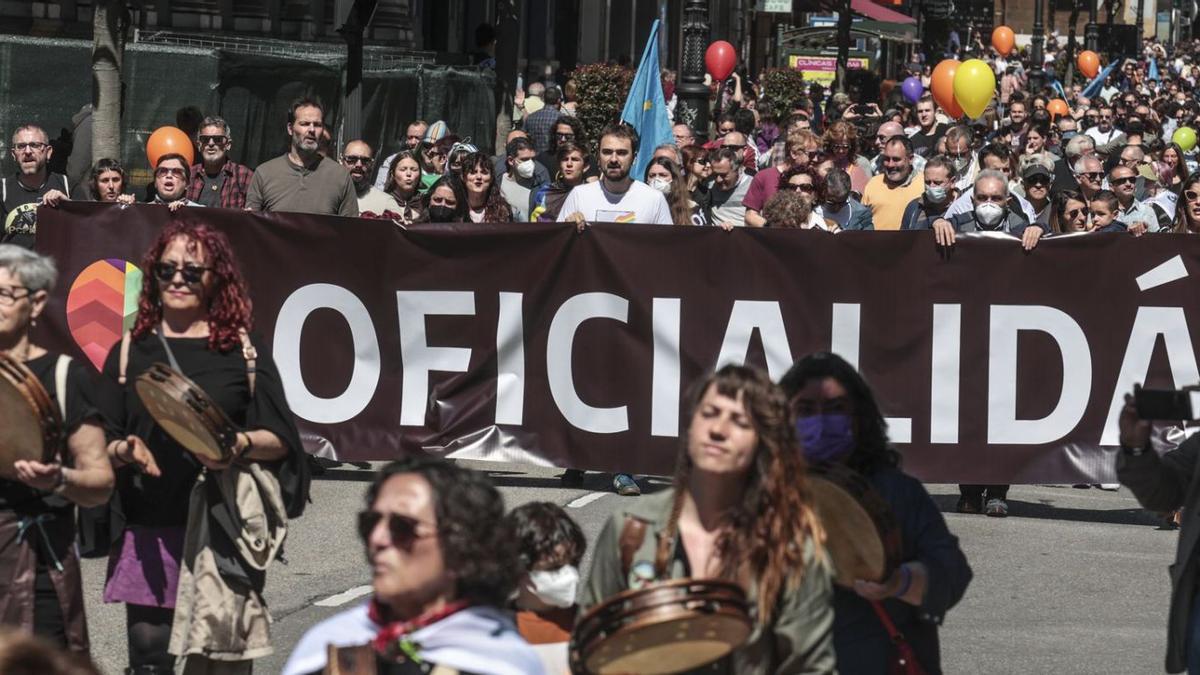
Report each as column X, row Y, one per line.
column 302, row 181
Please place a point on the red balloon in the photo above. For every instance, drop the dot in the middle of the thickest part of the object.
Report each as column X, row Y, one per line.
column 169, row 141
column 720, row 59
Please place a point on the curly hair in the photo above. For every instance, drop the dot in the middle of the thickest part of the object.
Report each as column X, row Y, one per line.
column 468, row 508
column 786, row 210
column 871, row 450
column 764, row 535
column 543, row 531
column 229, row 308
column 840, row 132
column 496, row 208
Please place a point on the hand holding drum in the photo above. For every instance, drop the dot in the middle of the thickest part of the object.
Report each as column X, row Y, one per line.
column 189, row 416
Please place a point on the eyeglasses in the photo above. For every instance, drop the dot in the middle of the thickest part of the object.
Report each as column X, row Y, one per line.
column 9, row 296
column 731, row 146
column 683, row 138
column 214, row 140
column 802, row 187
column 1037, row 181
column 1092, row 175
column 814, row 155
column 1074, row 213
column 840, row 146
column 169, row 171
column 569, row 137
column 357, row 159
column 401, row 529
column 36, row 146
column 1127, row 180
column 191, row 272
column 995, row 199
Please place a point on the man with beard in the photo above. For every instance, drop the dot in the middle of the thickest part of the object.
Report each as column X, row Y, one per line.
column 302, row 181
column 359, row 160
column 216, row 179
column 615, row 198
column 33, row 185
column 882, row 134
column 889, row 193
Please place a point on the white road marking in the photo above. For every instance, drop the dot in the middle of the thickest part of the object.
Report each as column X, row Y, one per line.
column 580, row 502
column 343, row 597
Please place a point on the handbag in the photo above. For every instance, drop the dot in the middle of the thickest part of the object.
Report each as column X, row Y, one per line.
column 905, row 662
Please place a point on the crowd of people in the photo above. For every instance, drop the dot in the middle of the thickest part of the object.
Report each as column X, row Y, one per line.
column 450, row 586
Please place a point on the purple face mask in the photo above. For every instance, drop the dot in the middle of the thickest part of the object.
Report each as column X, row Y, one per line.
column 825, row 438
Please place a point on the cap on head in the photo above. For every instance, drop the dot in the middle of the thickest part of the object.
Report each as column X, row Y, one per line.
column 435, row 132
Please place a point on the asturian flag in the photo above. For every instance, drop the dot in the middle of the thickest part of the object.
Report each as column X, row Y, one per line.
column 646, row 108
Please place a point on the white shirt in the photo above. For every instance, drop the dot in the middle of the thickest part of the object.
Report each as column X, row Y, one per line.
column 1101, row 137
column 639, row 204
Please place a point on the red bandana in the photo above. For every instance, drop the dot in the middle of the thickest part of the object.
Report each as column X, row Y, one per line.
column 392, row 640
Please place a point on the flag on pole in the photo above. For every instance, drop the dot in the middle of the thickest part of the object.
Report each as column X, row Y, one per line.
column 1092, row 90
column 646, row 108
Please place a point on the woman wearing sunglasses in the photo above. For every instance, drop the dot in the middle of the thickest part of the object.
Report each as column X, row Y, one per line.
column 697, row 169
column 1187, row 213
column 39, row 572
column 444, row 566
column 739, row 510
column 194, row 312
column 1070, row 213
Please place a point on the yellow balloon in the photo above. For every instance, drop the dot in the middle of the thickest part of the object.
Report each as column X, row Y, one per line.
column 974, row 87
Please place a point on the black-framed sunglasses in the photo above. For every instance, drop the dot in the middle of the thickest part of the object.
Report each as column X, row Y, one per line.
column 567, row 137
column 1127, row 180
column 1073, row 213
column 800, row 187
column 401, row 529
column 357, row 159
column 192, row 273
column 215, row 140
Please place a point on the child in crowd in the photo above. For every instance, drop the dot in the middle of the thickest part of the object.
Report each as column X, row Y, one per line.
column 550, row 546
column 1104, row 208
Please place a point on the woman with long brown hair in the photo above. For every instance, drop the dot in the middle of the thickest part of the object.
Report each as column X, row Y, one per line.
column 739, row 510
column 485, row 204
column 663, row 174
column 1187, row 212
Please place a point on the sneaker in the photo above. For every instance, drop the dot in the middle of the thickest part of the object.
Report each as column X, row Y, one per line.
column 968, row 505
column 996, row 508
column 1111, row 487
column 625, row 485
column 571, row 478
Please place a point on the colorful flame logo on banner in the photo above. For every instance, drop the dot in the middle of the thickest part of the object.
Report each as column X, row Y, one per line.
column 102, row 305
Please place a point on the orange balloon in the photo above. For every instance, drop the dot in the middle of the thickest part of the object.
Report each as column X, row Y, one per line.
column 169, row 141
column 1088, row 62
column 1057, row 107
column 1003, row 40
column 943, row 87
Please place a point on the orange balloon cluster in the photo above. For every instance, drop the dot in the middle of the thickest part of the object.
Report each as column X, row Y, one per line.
column 1003, row 40
column 1057, row 108
column 942, row 87
column 169, row 141
column 1088, row 62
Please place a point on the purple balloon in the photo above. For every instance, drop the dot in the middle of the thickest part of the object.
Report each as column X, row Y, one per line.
column 912, row 88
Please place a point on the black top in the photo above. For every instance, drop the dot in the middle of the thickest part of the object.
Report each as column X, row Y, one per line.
column 19, row 208
column 17, row 496
column 163, row 502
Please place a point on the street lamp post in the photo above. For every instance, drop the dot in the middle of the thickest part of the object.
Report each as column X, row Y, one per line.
column 1141, row 8
column 1091, row 34
column 692, row 107
column 1036, row 75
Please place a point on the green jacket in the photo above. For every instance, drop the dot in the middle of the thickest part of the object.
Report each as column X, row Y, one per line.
column 799, row 638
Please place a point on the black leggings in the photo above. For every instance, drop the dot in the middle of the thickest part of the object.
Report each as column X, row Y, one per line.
column 149, row 632
column 48, row 621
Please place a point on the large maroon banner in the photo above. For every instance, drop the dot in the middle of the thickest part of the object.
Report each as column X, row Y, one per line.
column 537, row 343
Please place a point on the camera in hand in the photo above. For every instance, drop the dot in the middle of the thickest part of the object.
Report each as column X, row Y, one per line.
column 1167, row 404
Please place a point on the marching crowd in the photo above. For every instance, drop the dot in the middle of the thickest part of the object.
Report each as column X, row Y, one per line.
column 450, row 587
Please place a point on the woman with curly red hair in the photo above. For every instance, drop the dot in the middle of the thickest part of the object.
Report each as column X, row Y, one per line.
column 194, row 312
column 739, row 510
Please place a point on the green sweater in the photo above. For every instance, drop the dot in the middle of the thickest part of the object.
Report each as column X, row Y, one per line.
column 799, row 638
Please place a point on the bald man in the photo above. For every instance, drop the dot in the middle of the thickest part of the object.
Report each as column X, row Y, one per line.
column 359, row 160
column 886, row 131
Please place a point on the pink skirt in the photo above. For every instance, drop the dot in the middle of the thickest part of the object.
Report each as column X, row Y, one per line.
column 145, row 569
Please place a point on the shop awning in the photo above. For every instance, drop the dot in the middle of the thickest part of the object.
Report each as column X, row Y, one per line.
column 879, row 13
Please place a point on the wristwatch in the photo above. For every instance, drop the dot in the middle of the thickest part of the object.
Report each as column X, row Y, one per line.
column 1133, row 452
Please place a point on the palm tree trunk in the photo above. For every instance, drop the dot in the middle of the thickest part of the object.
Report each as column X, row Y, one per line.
column 109, row 20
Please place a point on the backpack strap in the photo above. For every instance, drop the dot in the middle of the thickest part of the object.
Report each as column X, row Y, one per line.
column 633, row 533
column 123, row 362
column 251, row 355
column 60, row 383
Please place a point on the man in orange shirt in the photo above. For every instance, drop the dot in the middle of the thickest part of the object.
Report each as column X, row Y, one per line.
column 888, row 194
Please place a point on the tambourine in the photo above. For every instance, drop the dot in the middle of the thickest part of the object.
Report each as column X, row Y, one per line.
column 31, row 425
column 665, row 627
column 186, row 413
column 863, row 538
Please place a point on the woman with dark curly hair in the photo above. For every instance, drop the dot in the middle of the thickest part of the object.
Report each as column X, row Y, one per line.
column 443, row 568
column 485, row 204
column 194, row 312
column 740, row 510
column 838, row 421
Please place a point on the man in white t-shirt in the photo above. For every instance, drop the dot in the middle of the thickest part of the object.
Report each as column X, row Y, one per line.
column 728, row 190
column 616, row 197
column 1104, row 132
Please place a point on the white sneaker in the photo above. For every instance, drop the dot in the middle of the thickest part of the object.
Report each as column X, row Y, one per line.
column 1111, row 487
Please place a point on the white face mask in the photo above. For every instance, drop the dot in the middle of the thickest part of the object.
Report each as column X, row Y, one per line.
column 935, row 193
column 525, row 168
column 989, row 214
column 556, row 588
column 661, row 184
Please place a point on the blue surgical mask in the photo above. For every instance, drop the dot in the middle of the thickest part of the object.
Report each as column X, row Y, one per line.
column 825, row 438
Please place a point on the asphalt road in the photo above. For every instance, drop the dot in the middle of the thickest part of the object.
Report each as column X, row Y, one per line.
column 1073, row 581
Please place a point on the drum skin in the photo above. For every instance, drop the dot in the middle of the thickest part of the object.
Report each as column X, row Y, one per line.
column 31, row 426
column 185, row 412
column 862, row 536
column 666, row 627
